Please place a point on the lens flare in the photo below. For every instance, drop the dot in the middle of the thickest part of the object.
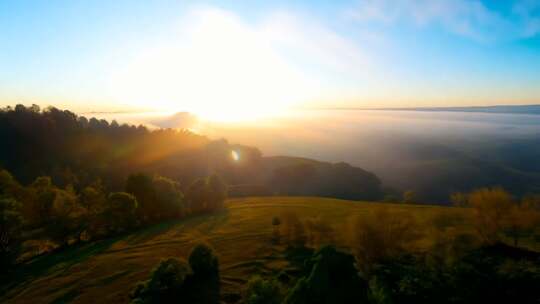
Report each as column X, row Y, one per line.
column 235, row 155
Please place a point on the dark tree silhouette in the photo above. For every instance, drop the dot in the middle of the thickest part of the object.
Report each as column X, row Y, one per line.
column 120, row 214
column 204, row 284
column 333, row 279
column 216, row 192
column 175, row 281
column 196, row 196
column 166, row 283
column 10, row 233
column 261, row 291
column 169, row 197
column 141, row 186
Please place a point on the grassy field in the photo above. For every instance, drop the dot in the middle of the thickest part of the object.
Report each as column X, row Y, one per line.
column 241, row 235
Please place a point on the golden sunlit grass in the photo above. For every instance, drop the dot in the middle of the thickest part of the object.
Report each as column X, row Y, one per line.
column 241, row 235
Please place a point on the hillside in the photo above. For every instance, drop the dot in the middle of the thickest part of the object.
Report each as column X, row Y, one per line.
column 241, row 235
column 78, row 151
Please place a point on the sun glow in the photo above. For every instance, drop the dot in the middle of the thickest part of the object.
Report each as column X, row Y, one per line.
column 235, row 155
column 216, row 67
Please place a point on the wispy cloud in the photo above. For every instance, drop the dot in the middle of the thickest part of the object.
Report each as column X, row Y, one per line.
column 316, row 43
column 529, row 13
column 468, row 18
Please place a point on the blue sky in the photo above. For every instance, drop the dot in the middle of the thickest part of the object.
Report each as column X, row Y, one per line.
column 245, row 55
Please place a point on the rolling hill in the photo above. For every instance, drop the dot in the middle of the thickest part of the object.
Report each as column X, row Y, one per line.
column 241, row 235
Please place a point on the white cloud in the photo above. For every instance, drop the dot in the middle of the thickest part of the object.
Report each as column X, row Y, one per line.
column 468, row 18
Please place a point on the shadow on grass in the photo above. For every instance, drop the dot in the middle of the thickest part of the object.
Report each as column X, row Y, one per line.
column 212, row 220
column 113, row 277
column 66, row 297
column 61, row 260
column 148, row 233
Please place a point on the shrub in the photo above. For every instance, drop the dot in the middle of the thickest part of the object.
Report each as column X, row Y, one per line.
column 120, row 214
column 203, row 260
column 410, row 197
column 491, row 206
column 169, row 197
column 140, row 185
column 333, row 279
column 67, row 217
column 165, row 285
column 380, row 235
column 216, row 192
column 293, row 229
column 175, row 281
column 203, row 285
column 196, row 196
column 459, row 199
column 206, row 194
column 261, row 291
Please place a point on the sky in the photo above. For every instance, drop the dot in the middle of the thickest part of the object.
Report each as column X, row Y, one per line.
column 247, row 58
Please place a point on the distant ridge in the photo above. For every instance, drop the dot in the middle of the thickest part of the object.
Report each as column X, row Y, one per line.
column 502, row 109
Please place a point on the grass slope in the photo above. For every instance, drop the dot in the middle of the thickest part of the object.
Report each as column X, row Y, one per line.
column 241, row 235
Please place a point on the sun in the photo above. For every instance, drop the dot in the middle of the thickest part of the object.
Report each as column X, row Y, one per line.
column 217, row 68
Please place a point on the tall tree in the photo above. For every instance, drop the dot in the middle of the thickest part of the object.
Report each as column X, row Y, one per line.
column 141, row 186
column 216, row 192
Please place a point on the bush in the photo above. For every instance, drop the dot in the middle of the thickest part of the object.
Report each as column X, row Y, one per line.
column 165, row 285
column 67, row 217
column 196, row 196
column 120, row 214
column 169, row 197
column 380, row 235
column 175, row 281
column 333, row 279
column 410, row 197
column 205, row 195
column 216, row 192
column 203, row 285
column 140, row 185
column 203, row 260
column 491, row 206
column 490, row 274
column 459, row 199
column 261, row 291
column 293, row 230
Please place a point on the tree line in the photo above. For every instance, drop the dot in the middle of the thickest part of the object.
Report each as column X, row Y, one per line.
column 62, row 217
column 499, row 215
